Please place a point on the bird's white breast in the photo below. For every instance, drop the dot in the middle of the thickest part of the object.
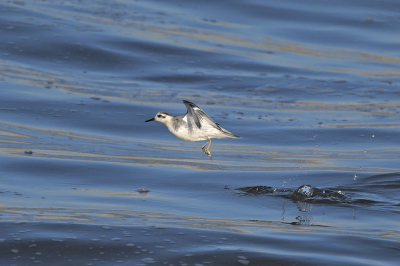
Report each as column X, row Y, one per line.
column 182, row 131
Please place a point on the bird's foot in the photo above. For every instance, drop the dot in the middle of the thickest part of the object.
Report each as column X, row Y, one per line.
column 206, row 151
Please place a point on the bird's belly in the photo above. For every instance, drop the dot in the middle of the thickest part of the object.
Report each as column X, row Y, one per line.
column 189, row 137
column 183, row 133
column 197, row 134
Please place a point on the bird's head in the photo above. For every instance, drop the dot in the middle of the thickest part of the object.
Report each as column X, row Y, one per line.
column 160, row 117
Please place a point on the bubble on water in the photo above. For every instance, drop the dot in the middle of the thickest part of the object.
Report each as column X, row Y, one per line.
column 304, row 190
column 15, row 251
column 244, row 262
column 148, row 260
column 173, row 250
column 368, row 20
column 304, row 220
column 143, row 189
column 130, row 245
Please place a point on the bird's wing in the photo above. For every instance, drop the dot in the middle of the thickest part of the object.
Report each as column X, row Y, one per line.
column 196, row 116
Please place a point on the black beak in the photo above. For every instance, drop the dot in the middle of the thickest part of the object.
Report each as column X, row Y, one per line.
column 149, row 120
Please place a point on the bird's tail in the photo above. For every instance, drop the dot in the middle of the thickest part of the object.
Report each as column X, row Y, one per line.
column 229, row 134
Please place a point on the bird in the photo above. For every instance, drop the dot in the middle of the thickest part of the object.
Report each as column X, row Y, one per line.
column 195, row 125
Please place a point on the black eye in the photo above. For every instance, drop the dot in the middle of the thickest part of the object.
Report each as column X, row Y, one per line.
column 158, row 115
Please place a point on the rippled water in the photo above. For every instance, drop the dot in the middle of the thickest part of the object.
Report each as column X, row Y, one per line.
column 311, row 86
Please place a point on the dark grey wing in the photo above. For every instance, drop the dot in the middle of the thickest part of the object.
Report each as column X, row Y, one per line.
column 191, row 115
column 198, row 116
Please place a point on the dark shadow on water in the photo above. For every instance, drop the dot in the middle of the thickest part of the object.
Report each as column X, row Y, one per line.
column 309, row 194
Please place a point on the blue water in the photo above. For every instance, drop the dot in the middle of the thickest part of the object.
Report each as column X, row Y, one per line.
column 311, row 86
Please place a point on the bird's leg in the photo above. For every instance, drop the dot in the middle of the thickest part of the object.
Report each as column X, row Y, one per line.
column 207, row 150
column 204, row 146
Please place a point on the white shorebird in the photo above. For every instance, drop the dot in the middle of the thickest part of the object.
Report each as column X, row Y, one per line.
column 195, row 125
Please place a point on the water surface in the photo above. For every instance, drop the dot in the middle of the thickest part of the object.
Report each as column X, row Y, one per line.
column 312, row 88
